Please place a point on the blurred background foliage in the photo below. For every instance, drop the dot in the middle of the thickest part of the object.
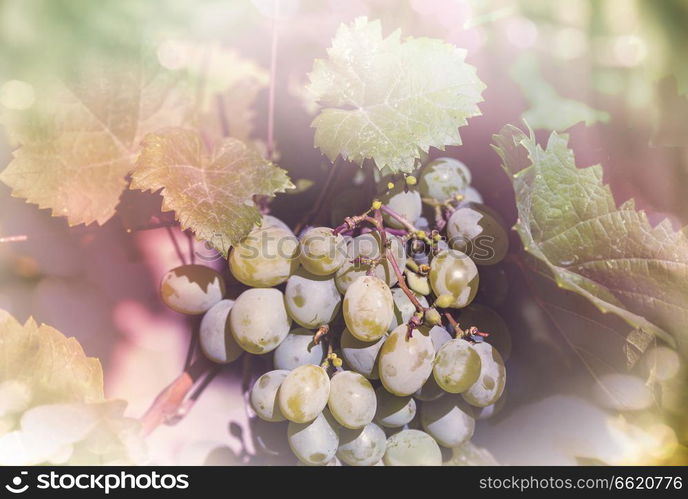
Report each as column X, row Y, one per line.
column 611, row 73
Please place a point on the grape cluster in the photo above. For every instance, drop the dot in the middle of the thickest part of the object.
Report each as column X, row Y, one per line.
column 370, row 366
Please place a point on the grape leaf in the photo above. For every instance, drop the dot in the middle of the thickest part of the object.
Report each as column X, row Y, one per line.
column 549, row 110
column 387, row 100
column 52, row 405
column 210, row 193
column 567, row 219
column 80, row 139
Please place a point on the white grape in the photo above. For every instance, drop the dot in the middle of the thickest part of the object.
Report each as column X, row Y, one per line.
column 404, row 201
column 304, row 393
column 448, row 420
column 406, row 363
column 311, row 300
column 315, row 442
column 457, row 366
column 258, row 320
column 265, row 257
column 192, row 289
column 352, row 399
column 362, row 447
column 490, row 385
column 412, row 448
column 476, row 230
column 322, row 252
column 393, row 411
column 454, row 274
column 361, row 356
column 472, row 195
column 298, row 349
column 444, row 178
column 403, row 307
column 264, row 395
column 368, row 308
column 368, row 246
column 215, row 338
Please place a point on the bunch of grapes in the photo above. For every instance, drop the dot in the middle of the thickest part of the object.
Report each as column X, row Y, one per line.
column 378, row 354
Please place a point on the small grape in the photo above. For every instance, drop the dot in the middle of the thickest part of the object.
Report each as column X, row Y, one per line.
column 258, row 320
column 263, row 396
column 472, row 195
column 444, row 178
column 304, row 393
column 298, row 349
column 406, row 363
column 352, row 400
column 368, row 246
column 362, row 447
column 217, row 342
column 192, row 289
column 490, row 385
column 419, row 284
column 393, row 411
column 403, row 308
column 368, row 308
column 361, row 356
column 432, row 316
column 452, row 273
column 265, row 257
column 404, row 201
column 489, row 321
column 322, row 252
column 311, row 300
column 412, row 448
column 314, row 442
column 448, row 420
column 457, row 366
column 477, row 231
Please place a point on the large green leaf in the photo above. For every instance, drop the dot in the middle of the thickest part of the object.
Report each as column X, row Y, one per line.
column 567, row 219
column 79, row 140
column 387, row 100
column 52, row 406
column 210, row 193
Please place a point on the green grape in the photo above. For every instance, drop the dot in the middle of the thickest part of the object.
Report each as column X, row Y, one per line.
column 362, row 447
column 270, row 221
column 453, row 274
column 311, row 300
column 368, row 246
column 298, row 349
column 265, row 257
column 361, row 356
column 476, row 230
column 457, row 366
column 419, row 284
column 448, row 420
column 368, row 308
column 192, row 289
column 393, row 411
column 490, row 385
column 314, row 442
column 403, row 308
column 404, row 201
column 322, row 252
column 406, row 363
column 215, row 338
column 263, row 396
column 258, row 320
column 444, row 178
column 488, row 321
column 304, row 393
column 412, row 448
column 472, row 195
column 352, row 400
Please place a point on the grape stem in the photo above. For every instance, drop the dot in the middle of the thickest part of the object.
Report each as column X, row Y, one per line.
column 458, row 332
column 320, row 333
column 399, row 218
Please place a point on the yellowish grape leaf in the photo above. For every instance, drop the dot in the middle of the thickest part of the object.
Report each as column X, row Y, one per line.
column 210, row 193
column 389, row 100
